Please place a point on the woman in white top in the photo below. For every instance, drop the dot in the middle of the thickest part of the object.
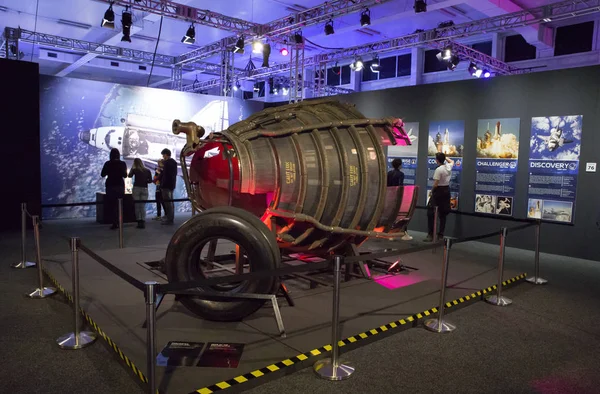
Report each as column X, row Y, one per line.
column 440, row 195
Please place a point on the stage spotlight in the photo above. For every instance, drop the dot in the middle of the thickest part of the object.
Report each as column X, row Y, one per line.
column 474, row 70
column 266, row 53
column 257, row 47
column 365, row 18
column 447, row 53
column 486, row 74
column 357, row 64
column 453, row 63
column 237, row 86
column 375, row 65
column 109, row 18
column 284, row 51
column 298, row 39
column 239, row 46
column 329, row 28
column 190, row 35
column 126, row 21
column 256, row 87
column 420, row 6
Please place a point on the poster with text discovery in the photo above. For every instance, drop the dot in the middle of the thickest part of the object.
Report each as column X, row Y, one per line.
column 554, row 151
column 407, row 153
column 496, row 165
column 446, row 136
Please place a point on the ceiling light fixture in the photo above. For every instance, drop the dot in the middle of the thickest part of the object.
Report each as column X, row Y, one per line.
column 126, row 21
column 257, row 47
column 375, row 65
column 284, row 51
column 239, row 46
column 190, row 35
column 420, row 6
column 266, row 53
column 365, row 17
column 329, row 28
column 357, row 65
column 109, row 18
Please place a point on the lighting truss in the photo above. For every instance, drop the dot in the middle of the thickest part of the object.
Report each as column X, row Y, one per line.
column 286, row 25
column 191, row 14
column 108, row 51
column 467, row 53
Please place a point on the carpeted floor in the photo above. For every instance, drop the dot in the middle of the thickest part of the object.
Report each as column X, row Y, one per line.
column 548, row 341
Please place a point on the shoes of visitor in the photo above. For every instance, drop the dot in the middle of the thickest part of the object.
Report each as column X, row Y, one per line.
column 429, row 238
column 157, row 218
column 141, row 224
column 406, row 237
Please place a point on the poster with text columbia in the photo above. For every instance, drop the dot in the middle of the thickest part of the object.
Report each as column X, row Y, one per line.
column 407, row 153
column 448, row 137
column 496, row 165
column 553, row 167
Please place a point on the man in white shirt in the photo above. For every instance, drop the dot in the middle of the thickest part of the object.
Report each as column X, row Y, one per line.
column 440, row 195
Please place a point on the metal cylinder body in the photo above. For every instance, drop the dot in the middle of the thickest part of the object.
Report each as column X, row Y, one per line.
column 313, row 166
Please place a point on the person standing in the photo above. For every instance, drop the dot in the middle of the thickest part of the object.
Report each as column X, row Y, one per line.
column 168, row 181
column 157, row 193
column 115, row 171
column 395, row 177
column 440, row 195
column 141, row 178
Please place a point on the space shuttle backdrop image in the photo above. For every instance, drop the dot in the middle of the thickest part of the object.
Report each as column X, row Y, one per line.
column 554, row 150
column 497, row 162
column 447, row 136
column 82, row 120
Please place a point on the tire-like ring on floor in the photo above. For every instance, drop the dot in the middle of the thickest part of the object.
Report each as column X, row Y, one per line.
column 241, row 227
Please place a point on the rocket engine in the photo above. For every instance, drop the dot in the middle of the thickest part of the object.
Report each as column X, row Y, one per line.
column 308, row 178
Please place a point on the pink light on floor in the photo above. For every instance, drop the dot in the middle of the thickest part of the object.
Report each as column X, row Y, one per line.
column 393, row 282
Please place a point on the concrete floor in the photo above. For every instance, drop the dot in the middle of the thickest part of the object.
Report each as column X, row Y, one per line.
column 546, row 342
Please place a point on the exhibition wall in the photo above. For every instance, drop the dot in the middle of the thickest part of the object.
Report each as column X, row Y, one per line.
column 20, row 140
column 527, row 142
column 82, row 120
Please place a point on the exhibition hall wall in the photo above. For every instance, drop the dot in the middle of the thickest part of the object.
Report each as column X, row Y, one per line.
column 20, row 140
column 82, row 120
column 524, row 146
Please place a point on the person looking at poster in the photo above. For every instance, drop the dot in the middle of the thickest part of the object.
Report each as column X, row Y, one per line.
column 440, row 195
column 157, row 193
column 142, row 177
column 115, row 171
column 168, row 181
column 395, row 177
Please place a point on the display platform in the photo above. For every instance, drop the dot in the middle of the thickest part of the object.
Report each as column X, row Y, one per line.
column 117, row 310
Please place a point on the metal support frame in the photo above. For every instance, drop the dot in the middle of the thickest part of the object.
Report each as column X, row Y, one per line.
column 320, row 79
column 150, row 295
column 296, row 73
column 439, row 325
column 23, row 263
column 41, row 291
column 176, row 78
column 535, row 279
column 498, row 299
column 77, row 339
column 331, row 368
column 227, row 73
column 121, row 223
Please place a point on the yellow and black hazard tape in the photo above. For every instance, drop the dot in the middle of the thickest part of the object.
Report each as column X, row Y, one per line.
column 135, row 370
column 315, row 354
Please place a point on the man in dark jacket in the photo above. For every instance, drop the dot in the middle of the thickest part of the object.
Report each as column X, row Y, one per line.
column 168, row 181
column 395, row 177
column 115, row 171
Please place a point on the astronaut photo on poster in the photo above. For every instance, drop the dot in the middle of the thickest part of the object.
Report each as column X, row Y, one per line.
column 496, row 165
column 446, row 137
column 555, row 146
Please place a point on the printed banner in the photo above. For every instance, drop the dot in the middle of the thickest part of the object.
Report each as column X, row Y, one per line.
column 408, row 154
column 497, row 161
column 447, row 136
column 555, row 146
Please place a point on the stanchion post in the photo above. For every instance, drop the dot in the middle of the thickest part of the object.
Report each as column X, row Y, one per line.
column 331, row 368
column 498, row 299
column 23, row 263
column 439, row 325
column 435, row 220
column 536, row 280
column 120, row 223
column 41, row 291
column 77, row 339
column 150, row 295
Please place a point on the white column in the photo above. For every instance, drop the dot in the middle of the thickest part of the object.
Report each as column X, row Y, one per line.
column 498, row 46
column 355, row 80
column 417, row 59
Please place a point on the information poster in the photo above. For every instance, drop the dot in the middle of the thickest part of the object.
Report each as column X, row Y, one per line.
column 555, row 146
column 407, row 153
column 448, row 137
column 496, row 165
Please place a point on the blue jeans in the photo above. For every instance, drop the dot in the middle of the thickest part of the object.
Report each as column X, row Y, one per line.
column 140, row 193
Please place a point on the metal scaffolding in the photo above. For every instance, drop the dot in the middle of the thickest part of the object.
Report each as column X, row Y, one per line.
column 191, row 14
column 176, row 78
column 297, row 73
